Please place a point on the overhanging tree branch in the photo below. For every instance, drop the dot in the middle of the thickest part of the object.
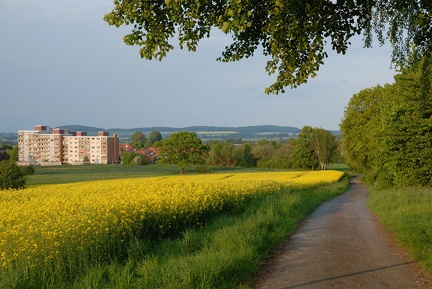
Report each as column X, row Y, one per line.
column 292, row 33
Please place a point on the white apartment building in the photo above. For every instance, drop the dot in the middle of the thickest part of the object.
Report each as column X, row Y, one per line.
column 43, row 146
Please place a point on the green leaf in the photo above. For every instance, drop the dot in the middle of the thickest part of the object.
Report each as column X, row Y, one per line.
column 226, row 26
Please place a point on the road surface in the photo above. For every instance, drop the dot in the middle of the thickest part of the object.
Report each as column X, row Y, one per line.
column 342, row 245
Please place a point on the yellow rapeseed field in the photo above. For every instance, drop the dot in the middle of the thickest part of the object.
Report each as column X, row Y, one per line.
column 69, row 226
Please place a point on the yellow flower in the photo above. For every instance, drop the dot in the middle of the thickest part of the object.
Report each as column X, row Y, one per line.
column 89, row 220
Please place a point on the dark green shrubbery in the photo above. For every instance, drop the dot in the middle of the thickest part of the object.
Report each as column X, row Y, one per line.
column 13, row 176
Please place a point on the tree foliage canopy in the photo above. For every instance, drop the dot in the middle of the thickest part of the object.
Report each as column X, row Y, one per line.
column 315, row 147
column 293, row 34
column 324, row 146
column 221, row 154
column 183, row 149
column 138, row 140
column 275, row 154
column 387, row 131
column 154, row 137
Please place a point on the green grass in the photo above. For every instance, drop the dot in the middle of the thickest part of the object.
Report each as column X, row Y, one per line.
column 82, row 173
column 339, row 167
column 407, row 213
column 70, row 174
column 226, row 253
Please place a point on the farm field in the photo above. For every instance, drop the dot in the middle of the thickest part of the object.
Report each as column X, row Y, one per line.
column 58, row 234
column 71, row 174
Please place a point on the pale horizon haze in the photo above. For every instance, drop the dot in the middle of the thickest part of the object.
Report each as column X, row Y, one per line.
column 61, row 64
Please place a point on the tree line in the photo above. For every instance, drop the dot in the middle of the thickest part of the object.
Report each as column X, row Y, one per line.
column 314, row 149
column 387, row 130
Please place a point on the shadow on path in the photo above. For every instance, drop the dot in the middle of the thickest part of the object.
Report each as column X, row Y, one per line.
column 347, row 275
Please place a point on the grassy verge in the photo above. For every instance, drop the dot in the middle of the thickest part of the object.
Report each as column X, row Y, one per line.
column 407, row 213
column 226, row 253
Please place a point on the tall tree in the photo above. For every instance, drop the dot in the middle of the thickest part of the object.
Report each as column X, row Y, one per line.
column 406, row 119
column 324, row 145
column 361, row 130
column 315, row 147
column 138, row 140
column 293, row 34
column 183, row 149
column 154, row 137
column 303, row 154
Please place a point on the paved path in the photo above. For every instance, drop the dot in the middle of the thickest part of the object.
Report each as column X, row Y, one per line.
column 341, row 245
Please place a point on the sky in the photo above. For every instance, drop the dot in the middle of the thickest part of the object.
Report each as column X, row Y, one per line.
column 61, row 63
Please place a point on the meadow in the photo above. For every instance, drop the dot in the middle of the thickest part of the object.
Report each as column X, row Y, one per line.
column 164, row 231
column 70, row 174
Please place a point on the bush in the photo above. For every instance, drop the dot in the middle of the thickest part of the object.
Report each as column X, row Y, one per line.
column 132, row 158
column 11, row 176
column 140, row 160
column 28, row 170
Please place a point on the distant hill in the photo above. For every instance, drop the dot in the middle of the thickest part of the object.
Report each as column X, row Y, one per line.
column 245, row 129
column 204, row 132
column 74, row 127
